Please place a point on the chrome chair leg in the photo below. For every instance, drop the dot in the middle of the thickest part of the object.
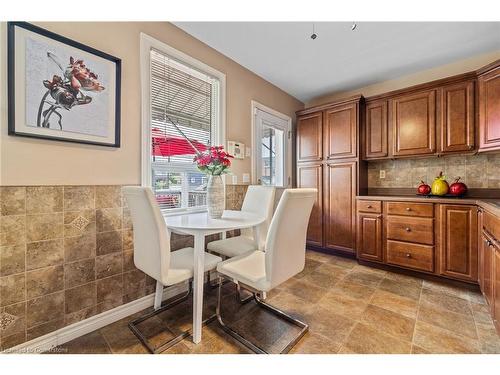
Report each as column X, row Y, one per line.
column 133, row 325
column 304, row 327
column 241, row 299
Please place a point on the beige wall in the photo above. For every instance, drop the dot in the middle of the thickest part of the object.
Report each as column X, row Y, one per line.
column 428, row 75
column 38, row 162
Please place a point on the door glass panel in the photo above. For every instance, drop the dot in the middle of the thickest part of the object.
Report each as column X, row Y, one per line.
column 272, row 155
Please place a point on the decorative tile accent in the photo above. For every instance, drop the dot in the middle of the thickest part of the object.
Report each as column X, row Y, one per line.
column 80, row 222
column 6, row 320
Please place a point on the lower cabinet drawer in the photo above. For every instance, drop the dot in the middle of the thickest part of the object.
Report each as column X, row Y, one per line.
column 419, row 257
column 412, row 229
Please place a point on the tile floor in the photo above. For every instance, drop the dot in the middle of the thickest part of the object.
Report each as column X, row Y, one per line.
column 350, row 309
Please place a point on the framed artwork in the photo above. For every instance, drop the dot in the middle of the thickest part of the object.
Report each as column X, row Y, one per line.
column 61, row 89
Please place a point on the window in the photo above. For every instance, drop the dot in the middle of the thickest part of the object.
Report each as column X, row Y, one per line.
column 271, row 140
column 182, row 111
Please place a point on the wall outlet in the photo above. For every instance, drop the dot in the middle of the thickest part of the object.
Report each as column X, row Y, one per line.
column 235, row 179
column 246, row 178
column 382, row 173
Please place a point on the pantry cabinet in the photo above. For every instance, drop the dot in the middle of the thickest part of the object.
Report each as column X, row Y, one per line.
column 310, row 137
column 311, row 176
column 340, row 137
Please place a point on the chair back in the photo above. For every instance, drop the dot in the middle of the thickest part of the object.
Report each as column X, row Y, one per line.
column 286, row 240
column 151, row 238
column 259, row 200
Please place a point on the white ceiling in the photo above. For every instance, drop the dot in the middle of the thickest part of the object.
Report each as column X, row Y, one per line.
column 340, row 59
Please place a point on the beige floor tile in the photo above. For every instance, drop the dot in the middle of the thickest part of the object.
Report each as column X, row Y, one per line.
column 403, row 289
column 365, row 339
column 415, row 349
column 439, row 341
column 353, row 290
column 445, row 301
column 446, row 288
column 489, row 338
column 456, row 323
column 315, row 344
column 344, row 305
column 343, row 262
column 318, row 256
column 365, row 278
column 393, row 302
column 306, row 291
column 389, row 322
column 330, row 325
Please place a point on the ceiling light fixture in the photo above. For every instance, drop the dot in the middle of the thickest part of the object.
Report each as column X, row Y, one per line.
column 353, row 26
column 313, row 35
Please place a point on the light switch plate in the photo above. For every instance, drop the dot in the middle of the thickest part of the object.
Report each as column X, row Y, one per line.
column 382, row 173
column 246, row 178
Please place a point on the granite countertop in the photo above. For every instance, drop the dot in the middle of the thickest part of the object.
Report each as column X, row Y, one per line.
column 490, row 205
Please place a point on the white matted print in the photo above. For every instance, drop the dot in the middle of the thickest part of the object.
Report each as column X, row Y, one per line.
column 60, row 89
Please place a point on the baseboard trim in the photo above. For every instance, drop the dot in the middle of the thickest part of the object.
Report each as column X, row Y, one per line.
column 73, row 331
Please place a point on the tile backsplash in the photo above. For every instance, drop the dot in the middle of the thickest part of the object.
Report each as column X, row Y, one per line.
column 477, row 171
column 66, row 254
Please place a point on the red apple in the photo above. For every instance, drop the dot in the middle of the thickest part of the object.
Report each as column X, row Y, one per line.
column 423, row 188
column 458, row 188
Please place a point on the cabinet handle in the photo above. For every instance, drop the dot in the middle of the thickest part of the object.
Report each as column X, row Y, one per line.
column 379, row 216
column 408, row 229
column 408, row 255
column 369, row 206
column 408, row 209
column 471, row 147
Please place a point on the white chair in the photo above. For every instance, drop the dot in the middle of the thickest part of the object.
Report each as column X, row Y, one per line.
column 284, row 257
column 259, row 200
column 152, row 255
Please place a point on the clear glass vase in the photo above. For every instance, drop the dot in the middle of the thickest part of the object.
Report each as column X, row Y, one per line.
column 216, row 199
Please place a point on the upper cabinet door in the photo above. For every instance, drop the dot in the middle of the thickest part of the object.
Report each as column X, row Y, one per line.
column 457, row 117
column 489, row 110
column 376, row 130
column 413, row 120
column 309, row 137
column 341, row 132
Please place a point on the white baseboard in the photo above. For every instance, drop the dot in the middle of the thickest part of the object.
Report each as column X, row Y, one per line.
column 65, row 334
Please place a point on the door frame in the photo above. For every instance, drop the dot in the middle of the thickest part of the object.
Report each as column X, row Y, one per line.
column 287, row 145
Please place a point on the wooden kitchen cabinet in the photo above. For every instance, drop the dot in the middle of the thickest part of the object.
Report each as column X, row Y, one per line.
column 311, row 176
column 458, row 239
column 340, row 134
column 457, row 117
column 310, row 137
column 369, row 236
column 489, row 108
column 376, row 130
column 339, row 214
column 487, row 268
column 413, row 122
column 495, row 308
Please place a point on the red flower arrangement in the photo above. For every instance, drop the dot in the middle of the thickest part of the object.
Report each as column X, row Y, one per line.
column 215, row 161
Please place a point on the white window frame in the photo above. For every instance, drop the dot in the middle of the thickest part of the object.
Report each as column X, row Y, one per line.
column 219, row 137
column 287, row 147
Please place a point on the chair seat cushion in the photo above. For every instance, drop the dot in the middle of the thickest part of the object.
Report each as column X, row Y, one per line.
column 249, row 269
column 182, row 265
column 234, row 246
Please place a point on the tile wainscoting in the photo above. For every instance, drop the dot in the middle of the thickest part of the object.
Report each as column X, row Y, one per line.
column 477, row 171
column 66, row 254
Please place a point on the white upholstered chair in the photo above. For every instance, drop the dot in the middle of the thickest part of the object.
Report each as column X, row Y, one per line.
column 283, row 257
column 152, row 255
column 259, row 200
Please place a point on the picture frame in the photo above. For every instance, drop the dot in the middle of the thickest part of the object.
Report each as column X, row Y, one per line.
column 60, row 89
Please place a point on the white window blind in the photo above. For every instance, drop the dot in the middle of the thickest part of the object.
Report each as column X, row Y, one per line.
column 184, row 103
